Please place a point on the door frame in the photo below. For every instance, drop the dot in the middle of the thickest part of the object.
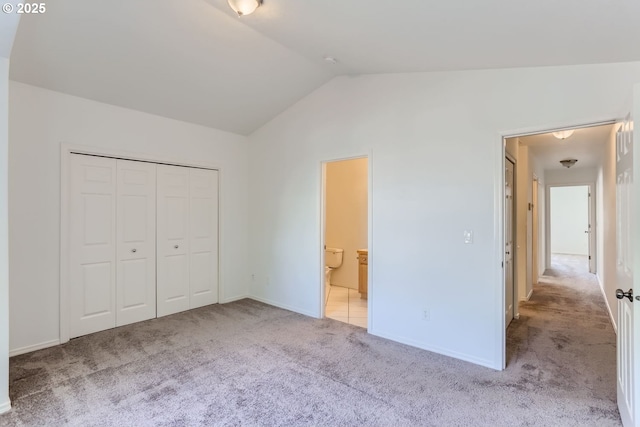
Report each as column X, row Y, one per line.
column 535, row 230
column 514, row 235
column 499, row 183
column 66, row 150
column 593, row 243
column 323, row 225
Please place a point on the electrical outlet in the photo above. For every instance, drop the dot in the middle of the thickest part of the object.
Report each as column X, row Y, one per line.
column 426, row 314
column 468, row 237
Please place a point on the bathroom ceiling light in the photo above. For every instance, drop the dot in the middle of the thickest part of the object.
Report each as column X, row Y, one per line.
column 244, row 7
column 563, row 134
column 567, row 163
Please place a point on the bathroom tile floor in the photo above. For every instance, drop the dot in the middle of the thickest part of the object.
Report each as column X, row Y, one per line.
column 345, row 305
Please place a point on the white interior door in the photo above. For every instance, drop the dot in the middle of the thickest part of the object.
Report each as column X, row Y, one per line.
column 92, row 239
column 173, row 239
column 628, row 358
column 203, row 233
column 508, row 242
column 136, row 242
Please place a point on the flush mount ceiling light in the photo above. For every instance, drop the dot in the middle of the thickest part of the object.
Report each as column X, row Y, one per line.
column 330, row 59
column 563, row 134
column 567, row 163
column 244, row 7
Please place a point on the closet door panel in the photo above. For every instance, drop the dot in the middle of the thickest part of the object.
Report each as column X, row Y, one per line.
column 173, row 239
column 203, row 214
column 92, row 228
column 136, row 236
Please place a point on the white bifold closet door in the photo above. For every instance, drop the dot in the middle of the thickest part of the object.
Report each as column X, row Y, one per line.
column 112, row 243
column 187, row 233
column 92, row 238
column 173, row 239
column 143, row 241
column 136, row 242
column 203, row 237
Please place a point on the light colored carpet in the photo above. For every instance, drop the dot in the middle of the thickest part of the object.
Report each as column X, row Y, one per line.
column 250, row 364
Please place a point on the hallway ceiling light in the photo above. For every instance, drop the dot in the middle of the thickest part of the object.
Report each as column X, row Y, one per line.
column 563, row 134
column 567, row 163
column 244, row 7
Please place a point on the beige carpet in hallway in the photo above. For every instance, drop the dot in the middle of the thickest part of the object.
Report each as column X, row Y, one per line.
column 250, row 364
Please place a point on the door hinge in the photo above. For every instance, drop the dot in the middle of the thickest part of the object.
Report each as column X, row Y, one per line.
column 502, row 264
column 589, row 256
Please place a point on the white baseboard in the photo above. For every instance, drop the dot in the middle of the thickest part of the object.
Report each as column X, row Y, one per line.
column 232, row 299
column 5, row 407
column 30, row 348
column 286, row 307
column 434, row 349
column 606, row 302
column 528, row 297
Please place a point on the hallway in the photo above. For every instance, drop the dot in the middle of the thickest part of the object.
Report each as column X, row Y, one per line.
column 564, row 339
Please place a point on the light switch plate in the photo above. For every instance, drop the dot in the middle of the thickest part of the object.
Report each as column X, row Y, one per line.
column 468, row 237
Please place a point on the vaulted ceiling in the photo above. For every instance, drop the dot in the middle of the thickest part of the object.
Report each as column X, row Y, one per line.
column 194, row 60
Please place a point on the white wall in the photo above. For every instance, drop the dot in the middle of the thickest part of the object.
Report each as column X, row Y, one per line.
column 5, row 404
column 570, row 176
column 436, row 161
column 606, row 225
column 523, row 220
column 8, row 27
column 40, row 121
column 536, row 170
column 346, row 216
column 542, row 226
column 569, row 220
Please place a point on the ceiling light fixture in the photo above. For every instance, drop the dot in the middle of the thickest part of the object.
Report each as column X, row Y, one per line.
column 567, row 163
column 330, row 59
column 244, row 7
column 563, row 134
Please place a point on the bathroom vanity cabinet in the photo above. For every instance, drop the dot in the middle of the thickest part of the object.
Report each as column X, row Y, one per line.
column 363, row 279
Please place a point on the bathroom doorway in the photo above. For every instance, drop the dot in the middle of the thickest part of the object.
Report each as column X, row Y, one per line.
column 345, row 251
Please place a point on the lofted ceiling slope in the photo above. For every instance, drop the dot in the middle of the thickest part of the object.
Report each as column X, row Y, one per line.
column 194, row 60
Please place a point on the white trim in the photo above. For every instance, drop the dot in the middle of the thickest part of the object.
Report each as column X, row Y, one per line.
column 537, row 131
column 234, row 298
column 30, row 348
column 284, row 306
column 528, row 297
column 66, row 150
column 5, row 407
column 500, row 356
column 606, row 302
column 435, row 349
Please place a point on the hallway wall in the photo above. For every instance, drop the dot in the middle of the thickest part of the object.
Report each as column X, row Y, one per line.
column 606, row 225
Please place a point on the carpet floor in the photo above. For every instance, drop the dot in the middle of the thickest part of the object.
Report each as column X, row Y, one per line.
column 251, row 364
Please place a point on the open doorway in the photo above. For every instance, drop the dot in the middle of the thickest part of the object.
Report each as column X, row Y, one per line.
column 540, row 166
column 345, row 213
column 570, row 237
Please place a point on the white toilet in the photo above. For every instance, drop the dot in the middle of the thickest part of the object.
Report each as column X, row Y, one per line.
column 332, row 260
